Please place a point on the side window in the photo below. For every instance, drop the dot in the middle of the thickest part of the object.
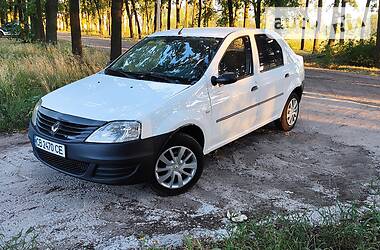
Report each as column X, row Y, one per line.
column 270, row 52
column 238, row 58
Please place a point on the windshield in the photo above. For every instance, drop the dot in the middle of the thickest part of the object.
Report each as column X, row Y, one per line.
column 180, row 60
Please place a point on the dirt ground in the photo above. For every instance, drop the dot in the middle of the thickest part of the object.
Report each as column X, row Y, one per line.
column 331, row 156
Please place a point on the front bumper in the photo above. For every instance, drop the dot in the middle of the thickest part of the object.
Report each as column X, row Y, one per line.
column 116, row 163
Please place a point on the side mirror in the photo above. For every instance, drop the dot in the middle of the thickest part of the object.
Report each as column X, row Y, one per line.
column 226, row 78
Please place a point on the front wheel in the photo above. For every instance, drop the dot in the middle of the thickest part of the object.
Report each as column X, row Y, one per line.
column 290, row 113
column 178, row 167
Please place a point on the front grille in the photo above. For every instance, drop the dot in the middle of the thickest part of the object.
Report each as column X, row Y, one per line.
column 66, row 165
column 66, row 130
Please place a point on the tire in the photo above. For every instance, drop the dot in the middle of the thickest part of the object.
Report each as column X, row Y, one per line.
column 287, row 122
column 168, row 172
column 1, row 34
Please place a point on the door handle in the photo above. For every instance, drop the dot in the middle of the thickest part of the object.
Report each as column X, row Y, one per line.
column 287, row 75
column 254, row 88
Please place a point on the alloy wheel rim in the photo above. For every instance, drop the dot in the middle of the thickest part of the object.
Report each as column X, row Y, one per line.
column 176, row 167
column 292, row 112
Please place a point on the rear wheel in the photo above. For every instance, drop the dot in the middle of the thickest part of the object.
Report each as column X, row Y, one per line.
column 178, row 167
column 290, row 113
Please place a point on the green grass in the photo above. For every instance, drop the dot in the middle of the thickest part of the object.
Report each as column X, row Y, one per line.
column 22, row 241
column 29, row 71
column 350, row 228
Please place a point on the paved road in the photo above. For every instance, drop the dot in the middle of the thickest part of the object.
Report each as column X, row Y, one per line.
column 332, row 155
column 104, row 43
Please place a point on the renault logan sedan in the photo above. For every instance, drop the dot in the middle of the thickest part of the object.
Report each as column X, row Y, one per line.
column 174, row 97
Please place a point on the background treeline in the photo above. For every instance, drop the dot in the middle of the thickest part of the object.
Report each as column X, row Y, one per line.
column 40, row 20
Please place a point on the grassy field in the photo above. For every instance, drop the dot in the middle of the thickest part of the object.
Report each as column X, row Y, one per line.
column 29, row 71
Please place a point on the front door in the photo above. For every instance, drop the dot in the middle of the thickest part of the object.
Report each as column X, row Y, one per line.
column 232, row 105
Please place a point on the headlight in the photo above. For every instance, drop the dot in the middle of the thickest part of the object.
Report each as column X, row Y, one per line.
column 119, row 131
column 35, row 111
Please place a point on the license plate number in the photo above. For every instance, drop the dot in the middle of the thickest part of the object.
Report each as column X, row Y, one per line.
column 48, row 146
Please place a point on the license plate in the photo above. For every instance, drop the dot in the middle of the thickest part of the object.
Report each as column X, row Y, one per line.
column 49, row 146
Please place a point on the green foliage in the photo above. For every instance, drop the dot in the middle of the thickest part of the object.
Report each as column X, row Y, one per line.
column 355, row 53
column 29, row 71
column 352, row 53
column 347, row 228
column 22, row 241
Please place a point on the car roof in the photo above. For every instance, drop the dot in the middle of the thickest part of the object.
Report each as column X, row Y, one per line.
column 218, row 32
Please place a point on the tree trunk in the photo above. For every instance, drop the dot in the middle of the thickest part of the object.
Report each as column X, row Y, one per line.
column 334, row 24
column 230, row 13
column 245, row 14
column 76, row 43
column 97, row 7
column 364, row 20
column 258, row 14
column 116, row 15
column 169, row 13
column 39, row 22
column 157, row 15
column 343, row 21
column 129, row 15
column 304, row 26
column 51, row 21
column 186, row 13
column 199, row 12
column 317, row 25
column 177, row 13
column 378, row 37
column 136, row 18
column 147, row 16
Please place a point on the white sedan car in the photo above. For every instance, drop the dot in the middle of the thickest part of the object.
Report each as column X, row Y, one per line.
column 174, row 97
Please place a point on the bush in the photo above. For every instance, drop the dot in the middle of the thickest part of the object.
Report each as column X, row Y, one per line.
column 354, row 53
column 29, row 71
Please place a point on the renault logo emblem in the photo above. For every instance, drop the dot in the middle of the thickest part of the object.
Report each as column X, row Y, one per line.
column 55, row 127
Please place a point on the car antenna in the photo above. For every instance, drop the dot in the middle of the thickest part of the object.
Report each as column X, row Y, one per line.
column 180, row 31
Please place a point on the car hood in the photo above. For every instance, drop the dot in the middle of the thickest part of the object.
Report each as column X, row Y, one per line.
column 107, row 98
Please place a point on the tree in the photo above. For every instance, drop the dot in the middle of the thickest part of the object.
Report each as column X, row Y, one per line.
column 116, row 15
column 304, row 26
column 129, row 15
column 169, row 13
column 51, row 21
column 245, row 12
column 230, row 13
column 37, row 22
column 3, row 12
column 378, row 36
column 317, row 25
column 76, row 43
column 365, row 16
column 186, row 13
column 177, row 13
column 257, row 7
column 199, row 13
column 333, row 21
column 157, row 15
column 136, row 18
column 97, row 4
column 343, row 21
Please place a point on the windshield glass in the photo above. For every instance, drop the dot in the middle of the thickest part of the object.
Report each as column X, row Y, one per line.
column 180, row 60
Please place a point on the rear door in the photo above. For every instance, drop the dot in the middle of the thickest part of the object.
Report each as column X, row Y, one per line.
column 273, row 78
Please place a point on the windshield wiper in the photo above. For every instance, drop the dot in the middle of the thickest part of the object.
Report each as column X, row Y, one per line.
column 121, row 73
column 159, row 77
